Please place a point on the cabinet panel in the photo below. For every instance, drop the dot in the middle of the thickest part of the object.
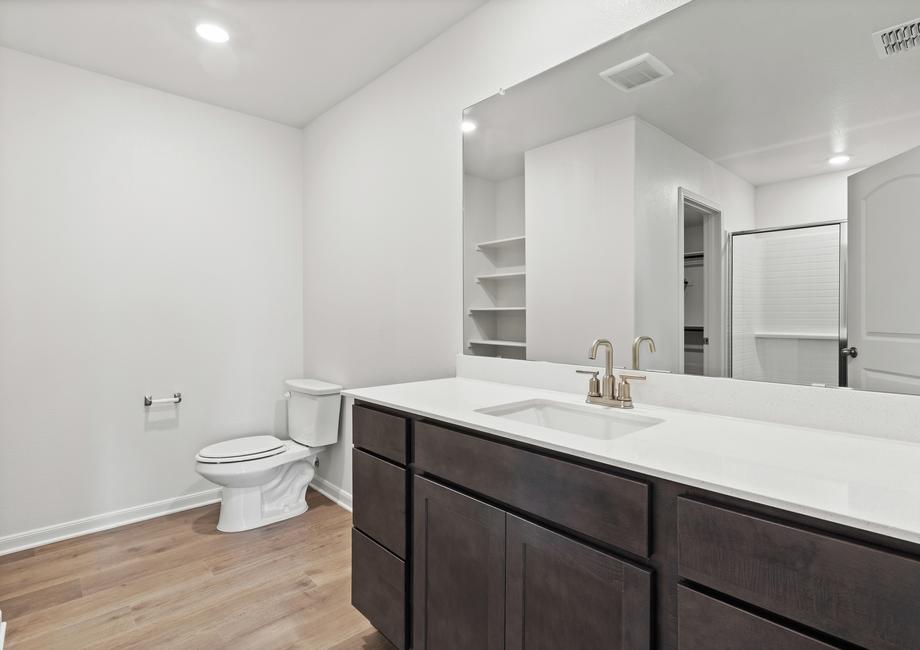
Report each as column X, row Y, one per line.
column 609, row 508
column 458, row 599
column 858, row 593
column 705, row 623
column 380, row 433
column 380, row 501
column 378, row 587
column 563, row 594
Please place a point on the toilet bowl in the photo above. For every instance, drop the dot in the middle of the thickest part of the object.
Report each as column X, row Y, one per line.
column 264, row 478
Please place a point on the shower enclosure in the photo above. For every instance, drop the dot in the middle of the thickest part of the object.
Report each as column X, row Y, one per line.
column 788, row 304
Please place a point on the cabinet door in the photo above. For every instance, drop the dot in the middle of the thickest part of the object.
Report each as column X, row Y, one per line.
column 563, row 594
column 458, row 599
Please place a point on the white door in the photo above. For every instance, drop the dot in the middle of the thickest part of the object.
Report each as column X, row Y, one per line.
column 883, row 295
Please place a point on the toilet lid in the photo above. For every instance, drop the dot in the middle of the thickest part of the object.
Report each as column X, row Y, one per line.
column 239, row 449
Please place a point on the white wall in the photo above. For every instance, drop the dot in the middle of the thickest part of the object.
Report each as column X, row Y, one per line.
column 383, row 192
column 803, row 200
column 148, row 243
column 663, row 165
column 509, row 207
column 580, row 247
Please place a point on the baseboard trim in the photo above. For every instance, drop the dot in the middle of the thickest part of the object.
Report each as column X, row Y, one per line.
column 333, row 492
column 96, row 523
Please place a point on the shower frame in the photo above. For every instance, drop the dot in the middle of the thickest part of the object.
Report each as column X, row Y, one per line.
column 842, row 302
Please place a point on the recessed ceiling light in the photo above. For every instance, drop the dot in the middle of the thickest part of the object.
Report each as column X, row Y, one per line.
column 467, row 126
column 212, row 33
column 838, row 159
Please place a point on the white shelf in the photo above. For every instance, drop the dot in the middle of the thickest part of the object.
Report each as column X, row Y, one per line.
column 797, row 335
column 501, row 276
column 498, row 243
column 496, row 310
column 499, row 344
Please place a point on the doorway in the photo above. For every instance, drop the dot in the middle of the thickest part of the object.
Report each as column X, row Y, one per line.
column 702, row 241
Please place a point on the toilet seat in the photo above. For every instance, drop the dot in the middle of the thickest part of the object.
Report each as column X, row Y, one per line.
column 240, row 450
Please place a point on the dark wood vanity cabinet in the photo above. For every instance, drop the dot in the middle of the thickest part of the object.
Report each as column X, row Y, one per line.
column 484, row 578
column 382, row 434
column 599, row 505
column 860, row 594
column 560, row 593
column 379, row 575
column 707, row 623
column 379, row 490
column 458, row 597
column 465, row 540
column 378, row 587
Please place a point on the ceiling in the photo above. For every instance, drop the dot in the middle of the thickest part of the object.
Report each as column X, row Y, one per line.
column 286, row 61
column 769, row 89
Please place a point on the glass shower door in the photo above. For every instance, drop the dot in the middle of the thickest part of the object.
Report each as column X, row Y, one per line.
column 788, row 319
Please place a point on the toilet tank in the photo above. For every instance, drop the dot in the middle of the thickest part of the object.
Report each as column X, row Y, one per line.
column 313, row 411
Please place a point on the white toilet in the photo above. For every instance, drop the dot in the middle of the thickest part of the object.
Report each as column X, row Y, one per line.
column 264, row 478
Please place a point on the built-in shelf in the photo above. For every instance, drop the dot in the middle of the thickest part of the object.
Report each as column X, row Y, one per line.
column 474, row 310
column 501, row 276
column 499, row 344
column 499, row 243
column 797, row 335
column 690, row 256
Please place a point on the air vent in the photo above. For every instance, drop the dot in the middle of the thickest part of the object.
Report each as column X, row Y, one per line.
column 637, row 72
column 898, row 39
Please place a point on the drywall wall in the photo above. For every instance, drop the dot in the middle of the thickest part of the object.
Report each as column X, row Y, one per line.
column 579, row 200
column 804, row 200
column 382, row 199
column 148, row 244
column 663, row 166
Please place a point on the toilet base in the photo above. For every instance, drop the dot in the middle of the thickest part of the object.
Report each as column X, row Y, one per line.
column 231, row 522
column 283, row 497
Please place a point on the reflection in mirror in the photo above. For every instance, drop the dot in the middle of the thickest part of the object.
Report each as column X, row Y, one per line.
column 746, row 199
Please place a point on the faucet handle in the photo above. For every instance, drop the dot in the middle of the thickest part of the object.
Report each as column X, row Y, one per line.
column 594, row 384
column 624, row 391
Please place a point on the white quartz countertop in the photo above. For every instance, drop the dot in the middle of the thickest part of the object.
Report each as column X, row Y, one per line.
column 860, row 481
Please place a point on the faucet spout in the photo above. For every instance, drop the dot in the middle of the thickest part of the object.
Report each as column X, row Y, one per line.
column 608, row 362
column 609, row 381
column 637, row 344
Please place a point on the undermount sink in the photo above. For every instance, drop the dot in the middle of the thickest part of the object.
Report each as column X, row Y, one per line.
column 589, row 421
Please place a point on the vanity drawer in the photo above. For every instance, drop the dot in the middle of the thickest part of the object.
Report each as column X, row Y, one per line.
column 608, row 508
column 378, row 587
column 380, row 500
column 380, row 433
column 705, row 623
column 858, row 593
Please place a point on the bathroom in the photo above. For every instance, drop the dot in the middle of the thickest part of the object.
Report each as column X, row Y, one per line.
column 297, row 296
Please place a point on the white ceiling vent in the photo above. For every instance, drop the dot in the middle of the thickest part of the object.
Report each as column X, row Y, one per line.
column 640, row 71
column 899, row 38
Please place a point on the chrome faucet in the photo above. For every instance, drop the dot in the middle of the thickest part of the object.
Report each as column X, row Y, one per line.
column 637, row 343
column 608, row 391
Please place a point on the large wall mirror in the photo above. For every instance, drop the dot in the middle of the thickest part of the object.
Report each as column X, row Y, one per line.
column 736, row 182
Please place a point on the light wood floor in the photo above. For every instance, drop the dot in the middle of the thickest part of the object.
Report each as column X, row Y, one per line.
column 176, row 582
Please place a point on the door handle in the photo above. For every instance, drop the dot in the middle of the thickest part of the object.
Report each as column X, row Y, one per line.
column 849, row 352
